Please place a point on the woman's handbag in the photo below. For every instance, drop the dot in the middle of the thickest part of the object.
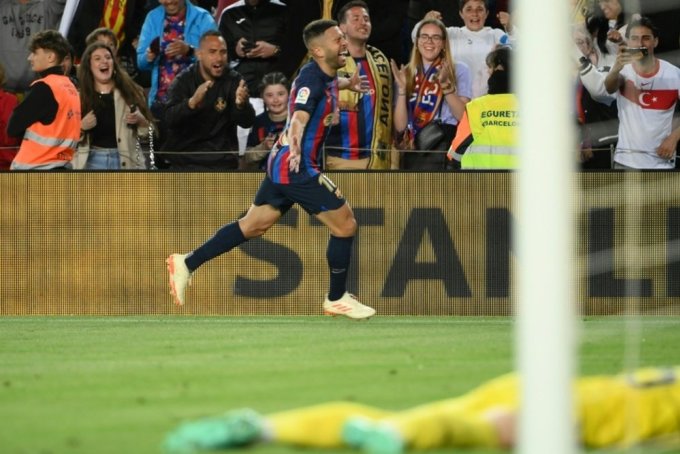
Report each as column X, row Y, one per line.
column 430, row 146
column 430, row 136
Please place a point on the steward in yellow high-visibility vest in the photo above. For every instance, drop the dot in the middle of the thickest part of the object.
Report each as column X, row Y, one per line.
column 49, row 117
column 486, row 137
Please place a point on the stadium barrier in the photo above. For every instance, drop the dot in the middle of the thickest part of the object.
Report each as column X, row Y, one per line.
column 428, row 244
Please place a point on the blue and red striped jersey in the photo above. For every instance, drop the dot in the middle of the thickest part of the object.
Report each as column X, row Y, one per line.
column 352, row 137
column 316, row 93
column 263, row 127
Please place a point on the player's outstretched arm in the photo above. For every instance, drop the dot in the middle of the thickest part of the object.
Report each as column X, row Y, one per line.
column 297, row 127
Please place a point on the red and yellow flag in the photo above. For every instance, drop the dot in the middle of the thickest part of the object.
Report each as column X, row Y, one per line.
column 114, row 18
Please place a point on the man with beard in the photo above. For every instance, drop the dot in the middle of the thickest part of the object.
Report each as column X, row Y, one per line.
column 205, row 104
column 167, row 45
column 294, row 176
column 362, row 138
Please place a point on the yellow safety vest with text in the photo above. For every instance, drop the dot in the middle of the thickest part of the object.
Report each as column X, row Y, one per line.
column 494, row 122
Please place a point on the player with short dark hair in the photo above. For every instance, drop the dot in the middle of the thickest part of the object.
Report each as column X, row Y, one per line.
column 294, row 176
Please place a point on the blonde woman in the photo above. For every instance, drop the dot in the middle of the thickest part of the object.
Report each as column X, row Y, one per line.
column 114, row 113
column 472, row 42
column 430, row 88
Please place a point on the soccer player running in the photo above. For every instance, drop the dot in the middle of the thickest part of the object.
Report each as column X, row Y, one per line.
column 294, row 176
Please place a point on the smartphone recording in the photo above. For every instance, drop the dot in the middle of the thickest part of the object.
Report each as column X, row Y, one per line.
column 636, row 50
column 155, row 45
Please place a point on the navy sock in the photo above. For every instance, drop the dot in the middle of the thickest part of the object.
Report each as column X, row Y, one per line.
column 224, row 240
column 338, row 255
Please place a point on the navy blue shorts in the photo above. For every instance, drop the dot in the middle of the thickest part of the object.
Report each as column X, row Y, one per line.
column 315, row 196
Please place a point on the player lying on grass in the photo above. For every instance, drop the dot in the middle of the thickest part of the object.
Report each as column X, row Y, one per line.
column 619, row 410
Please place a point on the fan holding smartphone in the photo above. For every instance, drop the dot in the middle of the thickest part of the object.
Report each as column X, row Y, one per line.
column 632, row 51
column 247, row 46
column 647, row 91
column 155, row 46
column 254, row 30
column 169, row 35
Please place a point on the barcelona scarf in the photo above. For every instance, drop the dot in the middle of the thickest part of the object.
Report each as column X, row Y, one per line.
column 426, row 100
column 382, row 113
column 327, row 9
column 382, row 119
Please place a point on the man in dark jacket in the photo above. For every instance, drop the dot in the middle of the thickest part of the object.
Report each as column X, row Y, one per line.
column 205, row 104
column 255, row 31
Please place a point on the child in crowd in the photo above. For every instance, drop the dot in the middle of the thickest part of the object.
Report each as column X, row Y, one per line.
column 269, row 124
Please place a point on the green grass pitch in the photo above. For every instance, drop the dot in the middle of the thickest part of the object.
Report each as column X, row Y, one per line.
column 119, row 384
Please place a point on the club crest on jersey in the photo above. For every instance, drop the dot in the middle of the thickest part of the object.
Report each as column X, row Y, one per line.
column 302, row 96
column 220, row 104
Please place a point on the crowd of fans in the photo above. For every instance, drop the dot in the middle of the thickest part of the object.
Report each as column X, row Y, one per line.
column 156, row 91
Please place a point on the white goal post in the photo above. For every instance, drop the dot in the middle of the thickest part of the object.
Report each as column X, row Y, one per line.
column 544, row 233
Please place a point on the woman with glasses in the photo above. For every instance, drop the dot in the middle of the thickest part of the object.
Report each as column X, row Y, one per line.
column 473, row 42
column 431, row 93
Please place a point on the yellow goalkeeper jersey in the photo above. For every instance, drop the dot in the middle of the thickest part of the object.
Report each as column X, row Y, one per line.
column 628, row 408
column 610, row 411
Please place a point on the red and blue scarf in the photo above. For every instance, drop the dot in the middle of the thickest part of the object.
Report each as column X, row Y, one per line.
column 426, row 99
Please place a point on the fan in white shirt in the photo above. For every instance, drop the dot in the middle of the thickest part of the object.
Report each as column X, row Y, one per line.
column 647, row 91
column 471, row 43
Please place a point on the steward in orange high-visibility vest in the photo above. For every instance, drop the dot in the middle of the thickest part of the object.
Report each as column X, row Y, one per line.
column 49, row 117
